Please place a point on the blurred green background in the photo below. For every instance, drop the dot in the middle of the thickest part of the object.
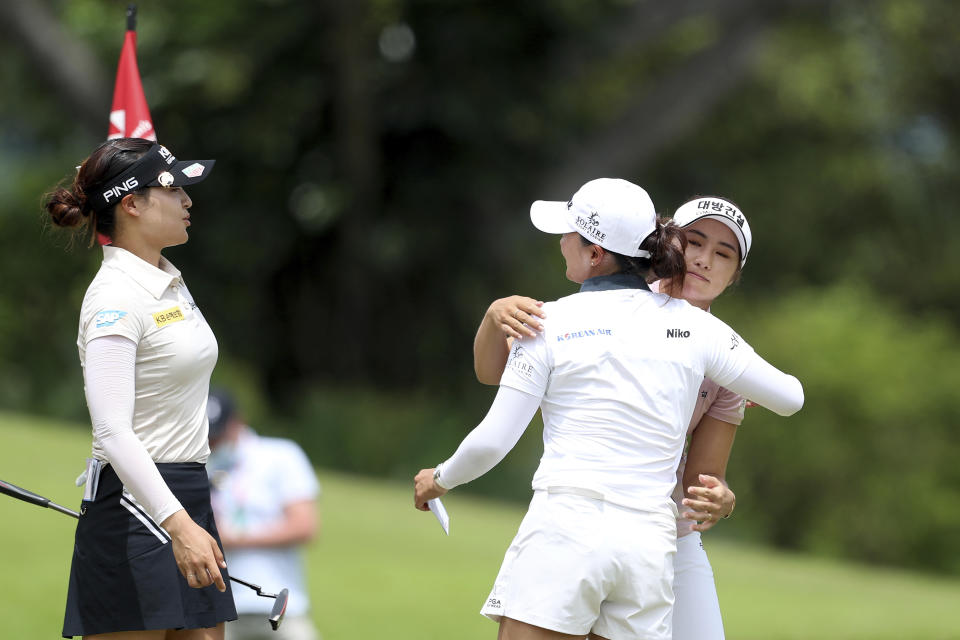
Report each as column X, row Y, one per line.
column 375, row 164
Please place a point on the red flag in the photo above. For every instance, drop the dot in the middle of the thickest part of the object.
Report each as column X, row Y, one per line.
column 129, row 115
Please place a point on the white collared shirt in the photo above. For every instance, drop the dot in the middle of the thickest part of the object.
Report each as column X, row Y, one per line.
column 176, row 351
column 714, row 401
column 618, row 372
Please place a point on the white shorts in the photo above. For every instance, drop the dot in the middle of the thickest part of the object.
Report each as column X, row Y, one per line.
column 696, row 611
column 579, row 565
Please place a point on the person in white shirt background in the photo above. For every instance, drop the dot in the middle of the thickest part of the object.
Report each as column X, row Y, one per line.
column 615, row 372
column 146, row 558
column 718, row 242
column 264, row 494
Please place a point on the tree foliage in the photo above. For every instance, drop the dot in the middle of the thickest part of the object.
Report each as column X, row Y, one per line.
column 867, row 468
column 376, row 159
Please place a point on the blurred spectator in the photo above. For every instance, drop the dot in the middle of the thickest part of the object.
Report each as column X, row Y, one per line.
column 264, row 495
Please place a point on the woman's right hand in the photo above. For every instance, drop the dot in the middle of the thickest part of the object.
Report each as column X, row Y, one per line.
column 711, row 502
column 425, row 488
column 516, row 316
column 197, row 553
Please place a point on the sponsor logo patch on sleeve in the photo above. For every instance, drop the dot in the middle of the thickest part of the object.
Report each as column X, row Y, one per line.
column 169, row 316
column 109, row 318
column 518, row 361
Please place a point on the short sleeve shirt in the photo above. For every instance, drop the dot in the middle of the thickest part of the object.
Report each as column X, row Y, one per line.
column 176, row 351
column 617, row 371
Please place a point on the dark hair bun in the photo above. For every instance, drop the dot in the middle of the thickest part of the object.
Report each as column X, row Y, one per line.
column 66, row 208
column 68, row 205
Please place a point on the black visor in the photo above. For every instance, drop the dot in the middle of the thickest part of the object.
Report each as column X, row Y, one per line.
column 157, row 168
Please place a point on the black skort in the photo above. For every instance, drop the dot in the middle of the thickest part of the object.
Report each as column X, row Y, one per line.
column 124, row 577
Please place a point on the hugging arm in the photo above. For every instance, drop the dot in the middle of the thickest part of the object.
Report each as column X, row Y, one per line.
column 769, row 387
column 505, row 319
column 704, row 477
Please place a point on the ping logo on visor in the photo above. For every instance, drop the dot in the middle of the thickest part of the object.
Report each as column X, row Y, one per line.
column 157, row 168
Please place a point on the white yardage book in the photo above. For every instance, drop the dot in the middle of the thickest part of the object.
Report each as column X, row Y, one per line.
column 437, row 507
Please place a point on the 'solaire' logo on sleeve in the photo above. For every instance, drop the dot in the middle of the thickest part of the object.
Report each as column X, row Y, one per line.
column 518, row 362
column 169, row 316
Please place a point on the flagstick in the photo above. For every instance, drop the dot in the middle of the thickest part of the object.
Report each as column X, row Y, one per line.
column 129, row 113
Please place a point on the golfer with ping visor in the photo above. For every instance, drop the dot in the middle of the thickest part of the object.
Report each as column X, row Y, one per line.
column 147, row 561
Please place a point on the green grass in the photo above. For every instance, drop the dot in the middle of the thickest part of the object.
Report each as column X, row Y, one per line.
column 380, row 569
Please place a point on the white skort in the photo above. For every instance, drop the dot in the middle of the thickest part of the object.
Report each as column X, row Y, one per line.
column 580, row 564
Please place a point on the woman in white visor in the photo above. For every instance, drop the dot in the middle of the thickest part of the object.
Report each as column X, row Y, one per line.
column 615, row 372
column 718, row 242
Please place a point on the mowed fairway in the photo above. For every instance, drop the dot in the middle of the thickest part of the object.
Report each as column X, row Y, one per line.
column 383, row 570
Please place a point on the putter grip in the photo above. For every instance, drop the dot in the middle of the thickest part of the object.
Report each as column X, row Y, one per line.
column 14, row 491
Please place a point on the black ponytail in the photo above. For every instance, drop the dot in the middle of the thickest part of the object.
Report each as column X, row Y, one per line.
column 666, row 245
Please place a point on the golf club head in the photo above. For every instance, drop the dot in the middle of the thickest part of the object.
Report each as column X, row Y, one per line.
column 279, row 608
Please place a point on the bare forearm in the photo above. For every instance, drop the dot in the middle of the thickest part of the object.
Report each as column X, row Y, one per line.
column 505, row 320
column 280, row 536
column 709, row 451
column 490, row 351
column 707, row 495
column 299, row 525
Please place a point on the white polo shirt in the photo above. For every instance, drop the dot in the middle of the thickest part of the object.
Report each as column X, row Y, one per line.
column 176, row 351
column 618, row 368
column 714, row 401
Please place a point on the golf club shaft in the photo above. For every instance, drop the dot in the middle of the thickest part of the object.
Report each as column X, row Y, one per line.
column 19, row 493
column 62, row 509
column 255, row 587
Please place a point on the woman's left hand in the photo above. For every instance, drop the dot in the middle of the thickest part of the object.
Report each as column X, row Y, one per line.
column 516, row 316
column 425, row 488
column 712, row 501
